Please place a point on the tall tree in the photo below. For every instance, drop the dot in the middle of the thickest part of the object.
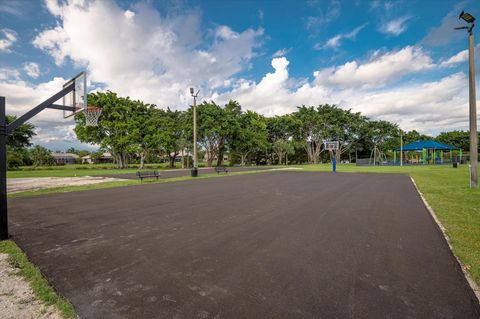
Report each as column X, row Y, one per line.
column 413, row 136
column 251, row 135
column 311, row 131
column 229, row 127
column 117, row 129
column 41, row 156
column 279, row 128
column 460, row 139
column 170, row 133
column 210, row 129
column 21, row 136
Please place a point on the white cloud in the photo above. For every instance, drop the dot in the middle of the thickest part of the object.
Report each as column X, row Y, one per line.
column 23, row 96
column 427, row 107
column 9, row 75
column 142, row 54
column 457, row 58
column 32, row 69
column 9, row 37
column 335, row 41
column 460, row 57
column 395, row 27
column 380, row 70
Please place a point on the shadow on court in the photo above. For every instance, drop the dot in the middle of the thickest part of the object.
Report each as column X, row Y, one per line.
column 270, row 245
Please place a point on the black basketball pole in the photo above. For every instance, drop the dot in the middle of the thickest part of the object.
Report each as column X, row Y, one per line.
column 7, row 129
column 3, row 172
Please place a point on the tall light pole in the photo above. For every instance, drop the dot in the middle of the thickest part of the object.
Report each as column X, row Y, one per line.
column 401, row 148
column 467, row 17
column 194, row 171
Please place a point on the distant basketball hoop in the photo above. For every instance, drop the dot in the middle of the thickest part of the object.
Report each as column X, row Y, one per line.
column 331, row 145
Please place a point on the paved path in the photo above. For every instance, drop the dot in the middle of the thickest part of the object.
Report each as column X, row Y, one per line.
column 270, row 245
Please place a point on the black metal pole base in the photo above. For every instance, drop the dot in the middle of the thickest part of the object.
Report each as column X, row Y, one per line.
column 3, row 172
column 194, row 172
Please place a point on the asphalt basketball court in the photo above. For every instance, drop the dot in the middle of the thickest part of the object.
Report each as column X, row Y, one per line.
column 266, row 245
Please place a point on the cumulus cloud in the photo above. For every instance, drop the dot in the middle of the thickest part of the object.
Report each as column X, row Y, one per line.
column 143, row 54
column 23, row 96
column 136, row 52
column 428, row 107
column 457, row 58
column 380, row 70
column 32, row 69
column 460, row 57
column 8, row 38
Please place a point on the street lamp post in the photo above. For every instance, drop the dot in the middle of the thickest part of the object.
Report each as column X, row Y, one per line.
column 194, row 171
column 401, row 148
column 467, row 17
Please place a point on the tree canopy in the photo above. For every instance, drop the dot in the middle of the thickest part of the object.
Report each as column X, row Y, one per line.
column 130, row 128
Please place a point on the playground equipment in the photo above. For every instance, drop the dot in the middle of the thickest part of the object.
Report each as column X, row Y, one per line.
column 377, row 157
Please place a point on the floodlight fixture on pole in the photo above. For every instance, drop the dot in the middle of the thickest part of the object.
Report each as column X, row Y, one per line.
column 194, row 172
column 467, row 17
column 470, row 19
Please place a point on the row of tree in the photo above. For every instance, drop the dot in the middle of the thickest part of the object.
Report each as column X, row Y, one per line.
column 132, row 128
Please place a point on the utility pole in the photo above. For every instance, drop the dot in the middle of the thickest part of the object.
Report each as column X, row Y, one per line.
column 194, row 172
column 473, row 112
column 401, row 148
column 467, row 17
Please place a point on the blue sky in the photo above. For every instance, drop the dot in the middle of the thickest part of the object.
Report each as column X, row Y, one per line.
column 395, row 60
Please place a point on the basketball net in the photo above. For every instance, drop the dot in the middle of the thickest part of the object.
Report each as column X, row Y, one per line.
column 92, row 114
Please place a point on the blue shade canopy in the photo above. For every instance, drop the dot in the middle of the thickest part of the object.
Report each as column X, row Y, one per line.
column 430, row 144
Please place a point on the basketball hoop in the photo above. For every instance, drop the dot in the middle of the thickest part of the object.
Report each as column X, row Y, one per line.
column 92, row 114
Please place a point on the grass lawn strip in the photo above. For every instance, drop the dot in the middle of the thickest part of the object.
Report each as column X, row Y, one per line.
column 40, row 287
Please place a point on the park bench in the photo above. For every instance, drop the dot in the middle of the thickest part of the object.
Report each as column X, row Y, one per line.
column 220, row 169
column 148, row 174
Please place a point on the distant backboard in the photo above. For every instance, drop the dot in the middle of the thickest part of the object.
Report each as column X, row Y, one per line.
column 331, row 145
column 78, row 97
